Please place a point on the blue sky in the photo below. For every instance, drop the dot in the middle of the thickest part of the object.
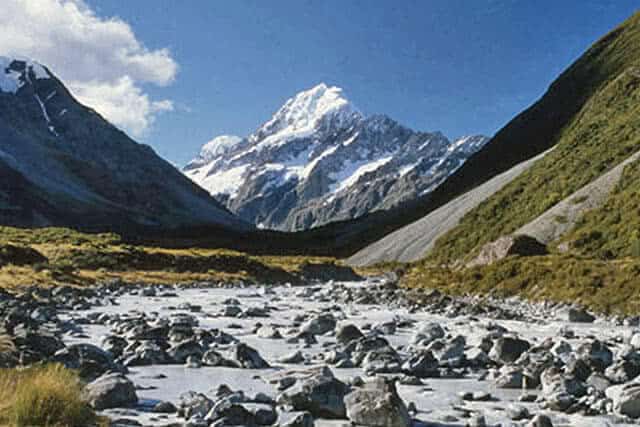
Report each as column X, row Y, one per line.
column 460, row 67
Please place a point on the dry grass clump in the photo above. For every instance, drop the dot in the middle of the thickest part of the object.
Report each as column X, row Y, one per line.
column 6, row 344
column 7, row 351
column 47, row 395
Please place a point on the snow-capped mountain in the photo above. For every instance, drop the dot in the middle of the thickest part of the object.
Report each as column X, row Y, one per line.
column 319, row 159
column 62, row 164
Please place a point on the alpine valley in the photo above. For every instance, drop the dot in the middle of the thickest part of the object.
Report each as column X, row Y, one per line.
column 331, row 268
column 319, row 159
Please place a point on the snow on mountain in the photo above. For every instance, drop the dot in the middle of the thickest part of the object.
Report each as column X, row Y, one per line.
column 468, row 144
column 351, row 173
column 319, row 159
column 13, row 77
column 219, row 146
column 227, row 181
column 301, row 115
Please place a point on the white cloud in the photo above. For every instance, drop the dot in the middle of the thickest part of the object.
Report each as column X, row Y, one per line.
column 121, row 102
column 99, row 59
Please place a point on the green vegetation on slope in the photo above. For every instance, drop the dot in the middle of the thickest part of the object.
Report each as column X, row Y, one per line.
column 612, row 230
column 604, row 132
column 55, row 235
column 601, row 269
column 603, row 286
column 55, row 256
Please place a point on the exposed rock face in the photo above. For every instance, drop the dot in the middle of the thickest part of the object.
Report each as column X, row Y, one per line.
column 546, row 228
column 63, row 164
column 506, row 246
column 319, row 160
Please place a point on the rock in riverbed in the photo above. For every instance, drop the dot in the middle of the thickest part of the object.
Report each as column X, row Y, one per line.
column 111, row 391
column 321, row 394
column 377, row 404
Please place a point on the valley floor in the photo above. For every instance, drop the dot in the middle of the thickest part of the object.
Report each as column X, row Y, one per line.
column 59, row 256
column 264, row 338
column 262, row 354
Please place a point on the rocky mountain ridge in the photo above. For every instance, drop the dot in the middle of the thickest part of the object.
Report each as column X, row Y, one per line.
column 62, row 164
column 319, row 159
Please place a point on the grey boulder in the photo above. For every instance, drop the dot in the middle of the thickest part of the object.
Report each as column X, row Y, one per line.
column 540, row 421
column 421, row 365
column 347, row 333
column 111, row 391
column 377, row 404
column 626, row 399
column 295, row 419
column 247, row 357
column 320, row 324
column 508, row 349
column 426, row 333
column 577, row 315
column 321, row 394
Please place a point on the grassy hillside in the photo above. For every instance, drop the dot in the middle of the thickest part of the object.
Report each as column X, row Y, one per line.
column 613, row 230
column 54, row 256
column 601, row 134
column 604, row 286
column 593, row 129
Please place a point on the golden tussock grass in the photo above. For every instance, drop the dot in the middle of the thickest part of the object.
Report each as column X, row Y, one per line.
column 47, row 395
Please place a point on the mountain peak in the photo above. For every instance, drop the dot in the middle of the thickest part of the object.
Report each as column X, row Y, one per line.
column 15, row 72
column 218, row 146
column 318, row 159
column 303, row 114
column 318, row 99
